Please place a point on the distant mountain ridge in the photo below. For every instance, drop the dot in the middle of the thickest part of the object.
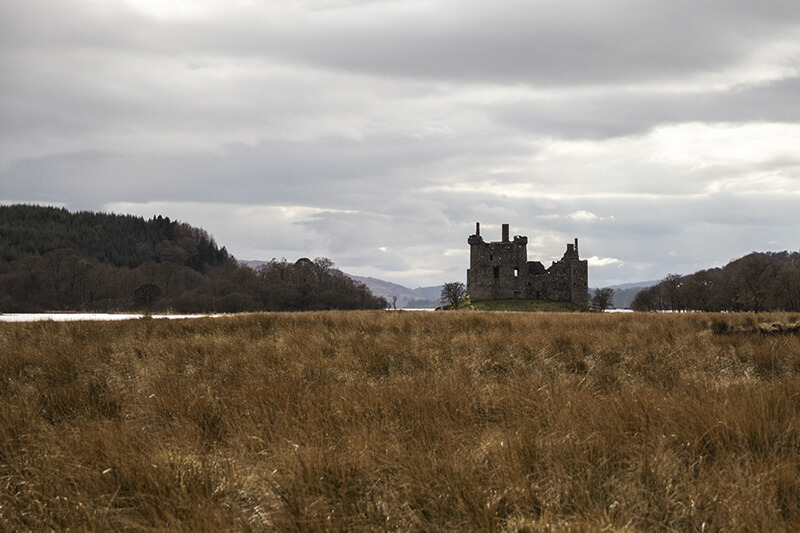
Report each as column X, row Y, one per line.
column 429, row 297
column 624, row 293
column 634, row 285
column 421, row 297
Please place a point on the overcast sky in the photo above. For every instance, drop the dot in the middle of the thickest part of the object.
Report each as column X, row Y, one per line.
column 663, row 134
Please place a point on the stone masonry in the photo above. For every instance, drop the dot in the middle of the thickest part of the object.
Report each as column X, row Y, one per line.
column 500, row 270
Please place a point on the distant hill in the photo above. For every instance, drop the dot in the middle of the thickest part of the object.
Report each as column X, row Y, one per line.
column 625, row 293
column 760, row 281
column 52, row 259
column 635, row 285
column 421, row 297
column 119, row 240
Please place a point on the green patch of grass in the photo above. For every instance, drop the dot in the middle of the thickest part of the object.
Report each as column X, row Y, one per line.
column 526, row 305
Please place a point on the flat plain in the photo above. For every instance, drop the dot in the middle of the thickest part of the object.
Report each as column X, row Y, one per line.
column 402, row 421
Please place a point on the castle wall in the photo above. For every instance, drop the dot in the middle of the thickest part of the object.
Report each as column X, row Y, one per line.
column 500, row 270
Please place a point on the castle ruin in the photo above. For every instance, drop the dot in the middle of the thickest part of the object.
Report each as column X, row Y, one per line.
column 500, row 270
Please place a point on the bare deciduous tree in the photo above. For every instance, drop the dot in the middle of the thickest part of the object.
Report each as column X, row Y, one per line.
column 453, row 293
column 603, row 299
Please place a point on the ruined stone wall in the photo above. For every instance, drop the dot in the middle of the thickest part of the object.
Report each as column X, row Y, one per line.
column 500, row 270
column 496, row 268
column 579, row 276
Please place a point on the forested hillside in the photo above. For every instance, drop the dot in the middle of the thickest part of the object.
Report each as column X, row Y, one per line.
column 51, row 259
column 120, row 240
column 768, row 281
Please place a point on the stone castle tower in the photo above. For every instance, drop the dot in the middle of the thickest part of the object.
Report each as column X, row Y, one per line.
column 500, row 270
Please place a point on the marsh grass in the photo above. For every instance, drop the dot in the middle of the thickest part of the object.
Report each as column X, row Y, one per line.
column 526, row 305
column 372, row 421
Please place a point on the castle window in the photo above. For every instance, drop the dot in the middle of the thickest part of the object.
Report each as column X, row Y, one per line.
column 516, row 272
column 496, row 272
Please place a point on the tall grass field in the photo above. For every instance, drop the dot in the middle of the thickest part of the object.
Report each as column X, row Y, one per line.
column 402, row 421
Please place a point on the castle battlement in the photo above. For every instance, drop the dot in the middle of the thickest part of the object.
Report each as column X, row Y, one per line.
column 500, row 270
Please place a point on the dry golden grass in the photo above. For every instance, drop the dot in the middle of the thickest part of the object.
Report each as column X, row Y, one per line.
column 372, row 421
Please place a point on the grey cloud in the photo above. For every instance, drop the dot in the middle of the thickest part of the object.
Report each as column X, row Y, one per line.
column 394, row 126
column 617, row 113
column 541, row 43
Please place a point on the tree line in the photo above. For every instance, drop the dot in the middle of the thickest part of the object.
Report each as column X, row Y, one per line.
column 51, row 259
column 760, row 281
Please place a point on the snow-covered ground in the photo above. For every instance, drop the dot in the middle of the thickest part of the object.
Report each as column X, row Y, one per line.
column 65, row 317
